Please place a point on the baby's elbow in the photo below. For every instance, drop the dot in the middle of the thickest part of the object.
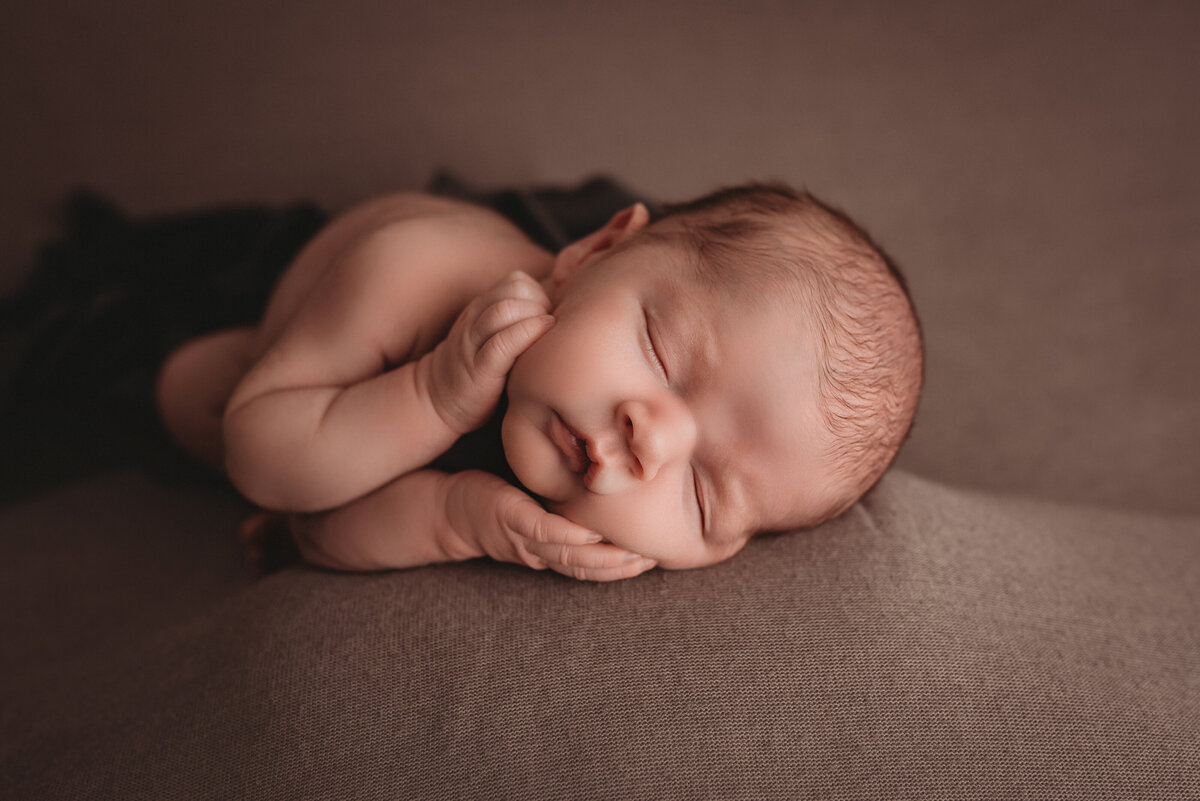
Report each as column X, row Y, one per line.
column 270, row 476
column 250, row 465
column 251, row 478
column 277, row 468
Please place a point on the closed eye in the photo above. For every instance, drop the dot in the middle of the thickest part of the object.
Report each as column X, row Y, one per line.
column 699, row 501
column 650, row 348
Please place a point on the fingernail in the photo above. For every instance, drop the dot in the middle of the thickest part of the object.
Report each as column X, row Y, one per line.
column 594, row 537
column 648, row 563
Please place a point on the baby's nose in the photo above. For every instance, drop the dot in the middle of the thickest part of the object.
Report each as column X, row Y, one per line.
column 657, row 433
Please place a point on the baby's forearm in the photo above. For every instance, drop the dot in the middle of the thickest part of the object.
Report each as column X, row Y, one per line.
column 314, row 448
column 402, row 524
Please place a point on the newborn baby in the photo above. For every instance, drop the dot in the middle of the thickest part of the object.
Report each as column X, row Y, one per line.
column 749, row 361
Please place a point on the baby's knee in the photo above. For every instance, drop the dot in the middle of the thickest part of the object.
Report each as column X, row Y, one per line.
column 194, row 384
column 206, row 367
column 172, row 382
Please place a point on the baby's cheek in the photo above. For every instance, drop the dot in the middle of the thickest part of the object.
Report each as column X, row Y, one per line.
column 533, row 457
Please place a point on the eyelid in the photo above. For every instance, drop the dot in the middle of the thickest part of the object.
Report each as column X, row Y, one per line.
column 699, row 501
column 651, row 350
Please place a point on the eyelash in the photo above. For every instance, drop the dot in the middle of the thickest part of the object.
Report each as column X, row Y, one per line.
column 699, row 499
column 651, row 351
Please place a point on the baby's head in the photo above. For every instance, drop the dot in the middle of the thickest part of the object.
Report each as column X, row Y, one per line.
column 748, row 361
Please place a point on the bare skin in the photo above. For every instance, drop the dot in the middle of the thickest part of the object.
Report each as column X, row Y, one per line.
column 390, row 336
column 661, row 419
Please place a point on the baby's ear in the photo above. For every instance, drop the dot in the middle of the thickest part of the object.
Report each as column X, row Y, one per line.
column 624, row 224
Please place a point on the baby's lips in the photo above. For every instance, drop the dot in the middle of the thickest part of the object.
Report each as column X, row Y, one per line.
column 572, row 447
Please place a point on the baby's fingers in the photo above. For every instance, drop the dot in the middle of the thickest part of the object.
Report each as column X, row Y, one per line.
column 599, row 562
column 531, row 521
column 518, row 284
column 496, row 356
column 500, row 315
column 602, row 573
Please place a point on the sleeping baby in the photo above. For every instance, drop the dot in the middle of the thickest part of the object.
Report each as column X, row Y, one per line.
column 663, row 389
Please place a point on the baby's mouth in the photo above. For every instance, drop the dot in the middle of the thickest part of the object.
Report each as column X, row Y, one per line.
column 573, row 446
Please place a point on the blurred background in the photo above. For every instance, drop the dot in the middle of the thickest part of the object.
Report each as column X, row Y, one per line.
column 1033, row 166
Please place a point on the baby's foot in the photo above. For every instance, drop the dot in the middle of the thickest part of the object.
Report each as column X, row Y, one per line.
column 267, row 542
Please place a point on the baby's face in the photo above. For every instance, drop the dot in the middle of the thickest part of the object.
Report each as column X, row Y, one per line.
column 671, row 420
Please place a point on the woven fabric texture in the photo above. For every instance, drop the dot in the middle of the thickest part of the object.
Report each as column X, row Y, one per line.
column 932, row 644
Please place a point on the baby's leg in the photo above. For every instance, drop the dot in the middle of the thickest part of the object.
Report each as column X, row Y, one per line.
column 197, row 379
column 194, row 385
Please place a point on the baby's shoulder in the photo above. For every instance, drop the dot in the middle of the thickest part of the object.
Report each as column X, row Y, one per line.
column 434, row 241
column 428, row 243
column 442, row 223
column 403, row 266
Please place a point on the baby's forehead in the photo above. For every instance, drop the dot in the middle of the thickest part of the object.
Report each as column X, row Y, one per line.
column 763, row 430
column 711, row 310
column 752, row 276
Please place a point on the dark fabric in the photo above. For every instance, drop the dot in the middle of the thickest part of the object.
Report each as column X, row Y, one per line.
column 931, row 644
column 105, row 304
column 109, row 299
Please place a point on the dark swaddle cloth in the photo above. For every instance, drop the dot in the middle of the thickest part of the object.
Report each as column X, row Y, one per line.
column 107, row 301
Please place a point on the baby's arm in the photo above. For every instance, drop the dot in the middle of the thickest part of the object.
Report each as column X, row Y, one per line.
column 428, row 516
column 324, row 418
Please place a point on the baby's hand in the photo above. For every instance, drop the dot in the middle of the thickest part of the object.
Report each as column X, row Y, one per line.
column 507, row 525
column 467, row 370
